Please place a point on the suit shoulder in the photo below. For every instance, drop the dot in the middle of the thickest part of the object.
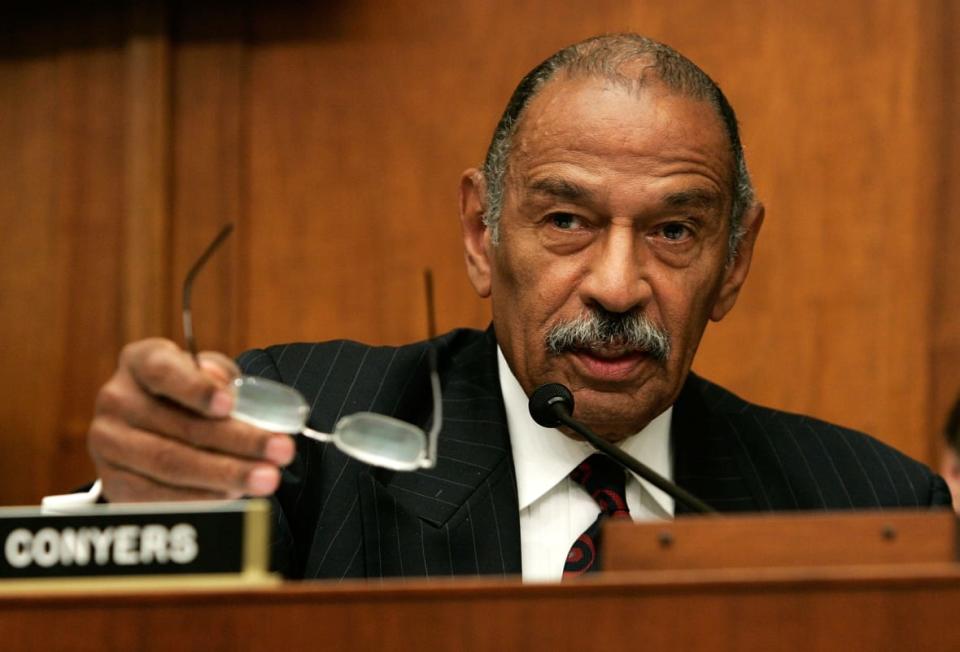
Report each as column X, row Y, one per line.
column 774, row 423
column 290, row 361
column 864, row 470
column 341, row 377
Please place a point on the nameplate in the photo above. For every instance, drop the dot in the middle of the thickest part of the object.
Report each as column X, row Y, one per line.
column 143, row 540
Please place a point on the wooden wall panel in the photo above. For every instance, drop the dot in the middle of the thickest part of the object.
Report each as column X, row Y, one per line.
column 31, row 275
column 61, row 125
column 945, row 314
column 147, row 138
column 208, row 190
column 836, row 312
column 334, row 134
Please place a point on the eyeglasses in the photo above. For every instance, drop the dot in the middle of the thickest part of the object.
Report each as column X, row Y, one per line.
column 369, row 437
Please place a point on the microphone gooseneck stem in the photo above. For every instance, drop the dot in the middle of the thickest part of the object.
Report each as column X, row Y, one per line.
column 628, row 462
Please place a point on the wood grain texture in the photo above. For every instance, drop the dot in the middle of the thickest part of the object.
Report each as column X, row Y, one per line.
column 334, row 134
column 146, row 213
column 695, row 610
column 208, row 188
column 61, row 197
column 945, row 309
column 835, row 320
column 803, row 540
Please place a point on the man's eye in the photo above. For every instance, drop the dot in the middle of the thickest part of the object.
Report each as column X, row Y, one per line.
column 675, row 231
column 564, row 221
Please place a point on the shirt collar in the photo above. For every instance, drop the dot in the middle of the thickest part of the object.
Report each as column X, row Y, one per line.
column 543, row 457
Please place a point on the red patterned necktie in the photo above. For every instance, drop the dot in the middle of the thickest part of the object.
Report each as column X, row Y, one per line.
column 605, row 481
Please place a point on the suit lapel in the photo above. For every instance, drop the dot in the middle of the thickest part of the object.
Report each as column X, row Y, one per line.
column 710, row 460
column 460, row 517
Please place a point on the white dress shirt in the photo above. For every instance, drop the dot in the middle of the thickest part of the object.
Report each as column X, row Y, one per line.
column 555, row 510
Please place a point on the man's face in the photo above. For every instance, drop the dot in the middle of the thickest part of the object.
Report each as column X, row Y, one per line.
column 615, row 202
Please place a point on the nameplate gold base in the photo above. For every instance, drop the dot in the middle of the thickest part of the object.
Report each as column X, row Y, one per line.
column 130, row 545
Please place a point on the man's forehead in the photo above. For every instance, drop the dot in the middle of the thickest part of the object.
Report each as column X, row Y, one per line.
column 594, row 116
column 553, row 186
column 647, row 101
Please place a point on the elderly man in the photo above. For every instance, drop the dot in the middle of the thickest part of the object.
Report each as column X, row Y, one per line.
column 612, row 219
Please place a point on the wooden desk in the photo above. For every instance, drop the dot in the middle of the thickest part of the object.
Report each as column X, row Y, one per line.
column 845, row 608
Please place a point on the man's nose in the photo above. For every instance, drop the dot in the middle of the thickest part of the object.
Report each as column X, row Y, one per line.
column 617, row 278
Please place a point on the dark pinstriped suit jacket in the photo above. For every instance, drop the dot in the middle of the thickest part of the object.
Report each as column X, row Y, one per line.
column 336, row 517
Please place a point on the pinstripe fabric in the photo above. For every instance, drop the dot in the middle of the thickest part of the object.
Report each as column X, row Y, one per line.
column 741, row 457
column 338, row 518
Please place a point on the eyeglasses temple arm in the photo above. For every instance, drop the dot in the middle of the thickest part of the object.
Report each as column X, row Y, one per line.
column 188, row 288
column 434, row 433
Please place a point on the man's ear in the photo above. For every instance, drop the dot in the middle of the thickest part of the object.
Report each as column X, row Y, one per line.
column 736, row 272
column 476, row 235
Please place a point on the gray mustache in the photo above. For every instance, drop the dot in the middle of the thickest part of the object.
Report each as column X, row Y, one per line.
column 598, row 328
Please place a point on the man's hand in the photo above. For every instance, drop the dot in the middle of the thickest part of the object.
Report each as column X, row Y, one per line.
column 162, row 430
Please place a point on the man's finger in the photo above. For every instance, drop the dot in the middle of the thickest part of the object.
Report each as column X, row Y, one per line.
column 218, row 365
column 121, row 485
column 175, row 463
column 221, row 435
column 161, row 368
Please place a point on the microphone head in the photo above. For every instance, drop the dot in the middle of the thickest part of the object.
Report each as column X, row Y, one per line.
column 543, row 404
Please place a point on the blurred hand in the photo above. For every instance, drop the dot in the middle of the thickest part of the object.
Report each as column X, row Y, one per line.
column 161, row 430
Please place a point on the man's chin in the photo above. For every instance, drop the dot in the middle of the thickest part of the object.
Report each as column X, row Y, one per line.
column 613, row 417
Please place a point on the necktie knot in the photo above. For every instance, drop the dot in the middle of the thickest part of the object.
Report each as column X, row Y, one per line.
column 605, row 481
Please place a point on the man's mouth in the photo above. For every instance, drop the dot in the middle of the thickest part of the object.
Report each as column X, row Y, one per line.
column 608, row 364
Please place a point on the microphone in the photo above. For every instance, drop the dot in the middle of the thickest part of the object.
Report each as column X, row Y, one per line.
column 551, row 405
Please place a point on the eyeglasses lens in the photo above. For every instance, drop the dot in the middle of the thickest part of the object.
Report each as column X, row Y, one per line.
column 381, row 440
column 269, row 405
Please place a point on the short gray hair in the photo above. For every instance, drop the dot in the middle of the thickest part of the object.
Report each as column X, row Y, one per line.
column 605, row 56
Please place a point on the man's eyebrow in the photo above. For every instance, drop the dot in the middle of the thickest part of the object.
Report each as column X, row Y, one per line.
column 558, row 188
column 695, row 198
